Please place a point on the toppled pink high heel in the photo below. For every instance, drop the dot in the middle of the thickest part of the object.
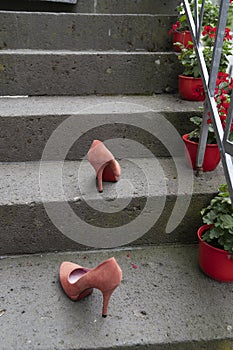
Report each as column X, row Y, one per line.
column 78, row 282
column 106, row 166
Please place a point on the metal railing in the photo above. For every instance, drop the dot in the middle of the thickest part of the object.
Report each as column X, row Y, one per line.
column 209, row 81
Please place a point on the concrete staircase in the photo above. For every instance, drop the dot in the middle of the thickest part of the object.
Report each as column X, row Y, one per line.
column 86, row 53
column 104, row 69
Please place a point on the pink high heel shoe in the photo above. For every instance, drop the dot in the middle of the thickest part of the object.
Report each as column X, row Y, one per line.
column 106, row 166
column 78, row 282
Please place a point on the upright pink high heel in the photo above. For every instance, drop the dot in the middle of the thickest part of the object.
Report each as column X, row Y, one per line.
column 106, row 166
column 78, row 282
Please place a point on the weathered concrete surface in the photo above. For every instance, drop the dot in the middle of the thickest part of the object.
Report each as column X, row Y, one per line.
column 47, row 31
column 144, row 197
column 34, row 72
column 136, row 6
column 167, row 303
column 67, row 105
column 93, row 6
column 26, row 124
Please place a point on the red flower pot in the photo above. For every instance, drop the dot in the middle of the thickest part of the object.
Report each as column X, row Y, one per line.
column 183, row 38
column 214, row 262
column 191, row 89
column 211, row 158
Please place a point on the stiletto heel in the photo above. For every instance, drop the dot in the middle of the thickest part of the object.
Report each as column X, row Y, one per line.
column 106, row 166
column 99, row 179
column 78, row 282
column 106, row 298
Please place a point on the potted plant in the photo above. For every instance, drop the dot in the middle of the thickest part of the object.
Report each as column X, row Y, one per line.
column 224, row 87
column 180, row 35
column 191, row 140
column 180, row 29
column 190, row 82
column 215, row 237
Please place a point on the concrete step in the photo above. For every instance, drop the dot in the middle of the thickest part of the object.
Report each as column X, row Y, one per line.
column 95, row 6
column 55, row 206
column 165, row 303
column 26, row 124
column 135, row 6
column 49, row 31
column 43, row 72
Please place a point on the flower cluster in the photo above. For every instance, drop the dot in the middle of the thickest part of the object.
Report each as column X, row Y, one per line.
column 188, row 57
column 208, row 40
column 175, row 27
column 210, row 15
column 210, row 32
column 223, row 91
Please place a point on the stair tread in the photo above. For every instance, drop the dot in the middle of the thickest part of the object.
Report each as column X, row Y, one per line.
column 21, row 182
column 67, row 105
column 162, row 304
column 61, row 14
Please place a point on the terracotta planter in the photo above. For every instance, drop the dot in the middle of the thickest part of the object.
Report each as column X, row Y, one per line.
column 183, row 38
column 214, row 262
column 191, row 89
column 211, row 158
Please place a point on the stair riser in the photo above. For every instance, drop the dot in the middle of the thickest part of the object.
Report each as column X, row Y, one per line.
column 85, row 32
column 27, row 228
column 93, row 6
column 87, row 73
column 136, row 6
column 24, row 138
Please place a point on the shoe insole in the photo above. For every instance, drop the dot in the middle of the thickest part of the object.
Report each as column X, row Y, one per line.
column 108, row 175
column 76, row 275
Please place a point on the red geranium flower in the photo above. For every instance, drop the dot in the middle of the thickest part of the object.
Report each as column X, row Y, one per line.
column 226, row 105
column 174, row 27
column 222, row 76
column 227, row 36
column 210, row 31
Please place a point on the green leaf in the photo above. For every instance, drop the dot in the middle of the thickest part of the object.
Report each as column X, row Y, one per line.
column 210, row 217
column 227, row 221
column 196, row 72
column 223, row 188
column 214, row 233
column 196, row 120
